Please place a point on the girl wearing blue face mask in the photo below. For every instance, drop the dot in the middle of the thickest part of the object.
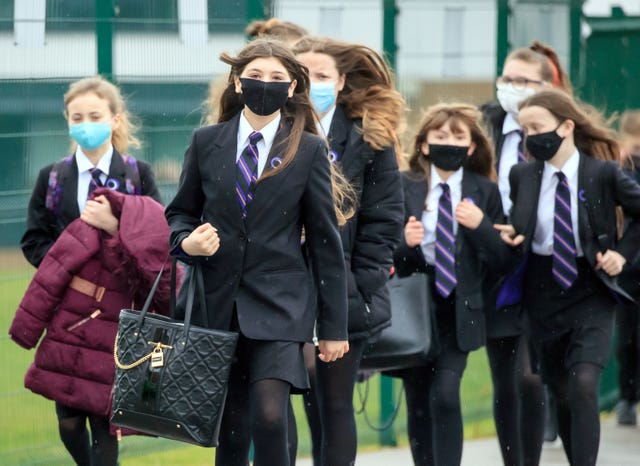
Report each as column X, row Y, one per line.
column 360, row 113
column 100, row 128
column 101, row 131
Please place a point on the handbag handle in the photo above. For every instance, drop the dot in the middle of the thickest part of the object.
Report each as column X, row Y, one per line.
column 195, row 281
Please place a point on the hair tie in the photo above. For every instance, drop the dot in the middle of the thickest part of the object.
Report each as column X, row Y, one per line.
column 556, row 74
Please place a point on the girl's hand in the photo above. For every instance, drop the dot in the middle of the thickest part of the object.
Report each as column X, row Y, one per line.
column 611, row 262
column 413, row 232
column 508, row 235
column 203, row 241
column 330, row 350
column 97, row 213
column 468, row 214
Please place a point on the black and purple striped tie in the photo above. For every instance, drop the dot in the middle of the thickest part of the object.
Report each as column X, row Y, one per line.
column 564, row 267
column 522, row 157
column 247, row 172
column 445, row 245
column 95, row 182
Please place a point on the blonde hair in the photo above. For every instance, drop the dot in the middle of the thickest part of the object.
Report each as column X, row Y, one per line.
column 123, row 136
column 630, row 123
column 458, row 115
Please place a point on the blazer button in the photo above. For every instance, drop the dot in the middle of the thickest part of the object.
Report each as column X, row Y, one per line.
column 241, row 236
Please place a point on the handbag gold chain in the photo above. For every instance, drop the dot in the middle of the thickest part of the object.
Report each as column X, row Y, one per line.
column 156, row 350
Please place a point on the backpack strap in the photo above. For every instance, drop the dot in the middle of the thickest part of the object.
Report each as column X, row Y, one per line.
column 54, row 184
column 133, row 185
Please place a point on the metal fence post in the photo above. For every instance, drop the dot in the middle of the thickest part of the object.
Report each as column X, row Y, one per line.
column 387, row 408
column 390, row 11
column 104, row 37
column 502, row 34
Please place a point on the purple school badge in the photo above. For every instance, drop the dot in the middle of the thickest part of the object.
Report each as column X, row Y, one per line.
column 275, row 162
column 333, row 156
column 112, row 184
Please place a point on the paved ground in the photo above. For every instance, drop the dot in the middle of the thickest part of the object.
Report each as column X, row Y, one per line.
column 618, row 447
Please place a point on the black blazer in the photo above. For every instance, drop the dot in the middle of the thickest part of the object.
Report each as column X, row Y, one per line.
column 260, row 267
column 601, row 187
column 43, row 227
column 371, row 235
column 493, row 116
column 477, row 252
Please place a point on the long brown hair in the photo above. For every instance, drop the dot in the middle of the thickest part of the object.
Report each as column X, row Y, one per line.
column 551, row 69
column 458, row 116
column 590, row 135
column 369, row 90
column 123, row 136
column 297, row 112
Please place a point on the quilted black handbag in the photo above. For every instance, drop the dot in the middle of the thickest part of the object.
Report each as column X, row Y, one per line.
column 409, row 341
column 171, row 377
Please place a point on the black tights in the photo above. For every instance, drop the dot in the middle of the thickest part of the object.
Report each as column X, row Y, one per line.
column 311, row 409
column 264, row 420
column 518, row 401
column 335, row 383
column 434, row 415
column 102, row 450
column 576, row 395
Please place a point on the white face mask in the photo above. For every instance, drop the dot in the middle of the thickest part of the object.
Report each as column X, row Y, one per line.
column 510, row 98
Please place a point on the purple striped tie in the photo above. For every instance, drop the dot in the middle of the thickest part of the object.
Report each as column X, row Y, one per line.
column 445, row 245
column 564, row 248
column 95, row 182
column 247, row 172
column 522, row 157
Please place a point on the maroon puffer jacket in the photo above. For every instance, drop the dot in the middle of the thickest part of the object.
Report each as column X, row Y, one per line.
column 74, row 362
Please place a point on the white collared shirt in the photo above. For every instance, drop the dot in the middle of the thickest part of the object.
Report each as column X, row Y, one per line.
column 84, row 177
column 324, row 125
column 430, row 215
column 263, row 145
column 508, row 158
column 542, row 242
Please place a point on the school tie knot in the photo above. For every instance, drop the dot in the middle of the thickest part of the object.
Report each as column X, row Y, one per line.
column 522, row 156
column 247, row 172
column 445, row 265
column 564, row 266
column 96, row 181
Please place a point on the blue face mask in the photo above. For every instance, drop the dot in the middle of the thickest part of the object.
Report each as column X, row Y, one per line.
column 90, row 135
column 322, row 96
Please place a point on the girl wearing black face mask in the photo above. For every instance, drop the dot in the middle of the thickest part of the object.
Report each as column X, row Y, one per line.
column 567, row 254
column 450, row 205
column 249, row 185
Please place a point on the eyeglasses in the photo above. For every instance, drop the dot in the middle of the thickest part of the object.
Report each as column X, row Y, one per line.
column 519, row 84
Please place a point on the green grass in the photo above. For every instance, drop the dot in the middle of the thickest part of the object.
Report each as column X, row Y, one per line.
column 29, row 427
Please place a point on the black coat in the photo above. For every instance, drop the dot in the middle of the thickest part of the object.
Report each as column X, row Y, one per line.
column 494, row 116
column 601, row 187
column 370, row 237
column 477, row 252
column 43, row 227
column 260, row 268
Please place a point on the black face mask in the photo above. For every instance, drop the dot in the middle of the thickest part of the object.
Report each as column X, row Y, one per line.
column 264, row 98
column 544, row 146
column 447, row 158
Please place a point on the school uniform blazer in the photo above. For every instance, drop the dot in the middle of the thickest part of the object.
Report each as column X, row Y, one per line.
column 602, row 185
column 260, row 268
column 476, row 251
column 43, row 227
column 494, row 115
column 371, row 235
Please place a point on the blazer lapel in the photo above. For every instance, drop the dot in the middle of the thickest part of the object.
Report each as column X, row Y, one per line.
column 117, row 172
column 266, row 187
column 69, row 197
column 221, row 163
column 524, row 218
column 469, row 190
column 339, row 133
column 416, row 192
